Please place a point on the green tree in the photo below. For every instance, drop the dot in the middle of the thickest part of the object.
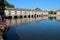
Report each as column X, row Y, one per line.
column 2, row 8
column 51, row 12
column 37, row 9
column 8, row 4
column 4, row 3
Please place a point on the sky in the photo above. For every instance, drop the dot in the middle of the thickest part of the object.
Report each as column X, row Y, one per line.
column 31, row 4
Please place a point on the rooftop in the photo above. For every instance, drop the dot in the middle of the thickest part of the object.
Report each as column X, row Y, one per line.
column 24, row 9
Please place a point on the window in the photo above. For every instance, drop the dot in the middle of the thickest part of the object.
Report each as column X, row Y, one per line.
column 15, row 12
column 9, row 12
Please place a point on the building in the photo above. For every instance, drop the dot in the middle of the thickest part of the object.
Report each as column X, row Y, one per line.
column 58, row 12
column 20, row 12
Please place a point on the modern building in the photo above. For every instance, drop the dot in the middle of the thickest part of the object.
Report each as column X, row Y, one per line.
column 20, row 12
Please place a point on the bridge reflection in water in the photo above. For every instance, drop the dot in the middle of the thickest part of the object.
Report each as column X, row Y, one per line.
column 24, row 20
column 20, row 21
column 47, row 29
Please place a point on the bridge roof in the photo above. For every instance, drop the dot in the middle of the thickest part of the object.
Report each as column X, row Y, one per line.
column 23, row 9
column 19, row 9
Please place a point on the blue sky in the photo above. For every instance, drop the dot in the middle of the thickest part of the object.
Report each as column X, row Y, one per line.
column 43, row 4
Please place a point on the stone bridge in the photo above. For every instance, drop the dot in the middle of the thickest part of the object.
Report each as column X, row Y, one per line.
column 24, row 13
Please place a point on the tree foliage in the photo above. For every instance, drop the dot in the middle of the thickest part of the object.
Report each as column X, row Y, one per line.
column 8, row 4
column 2, row 8
column 37, row 9
column 4, row 3
column 52, row 12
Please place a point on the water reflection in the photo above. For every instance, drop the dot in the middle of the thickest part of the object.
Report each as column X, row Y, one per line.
column 25, row 20
column 20, row 21
column 52, row 18
column 58, row 18
column 40, row 28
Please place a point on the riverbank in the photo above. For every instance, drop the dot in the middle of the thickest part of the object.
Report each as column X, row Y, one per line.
column 19, row 21
column 1, row 33
column 1, row 38
column 3, row 28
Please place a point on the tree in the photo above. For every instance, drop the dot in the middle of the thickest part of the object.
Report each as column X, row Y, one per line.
column 4, row 3
column 8, row 4
column 37, row 9
column 50, row 12
column 54, row 12
column 2, row 8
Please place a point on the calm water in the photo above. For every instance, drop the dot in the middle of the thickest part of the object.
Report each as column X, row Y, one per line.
column 41, row 28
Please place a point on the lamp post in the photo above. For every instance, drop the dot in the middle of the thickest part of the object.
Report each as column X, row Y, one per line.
column 2, row 8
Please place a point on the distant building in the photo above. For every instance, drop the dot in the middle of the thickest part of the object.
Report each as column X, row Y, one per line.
column 58, row 12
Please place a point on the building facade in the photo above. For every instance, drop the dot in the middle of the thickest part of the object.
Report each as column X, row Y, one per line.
column 58, row 12
column 19, row 12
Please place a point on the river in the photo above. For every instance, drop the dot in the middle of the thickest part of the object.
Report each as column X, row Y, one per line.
column 40, row 28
